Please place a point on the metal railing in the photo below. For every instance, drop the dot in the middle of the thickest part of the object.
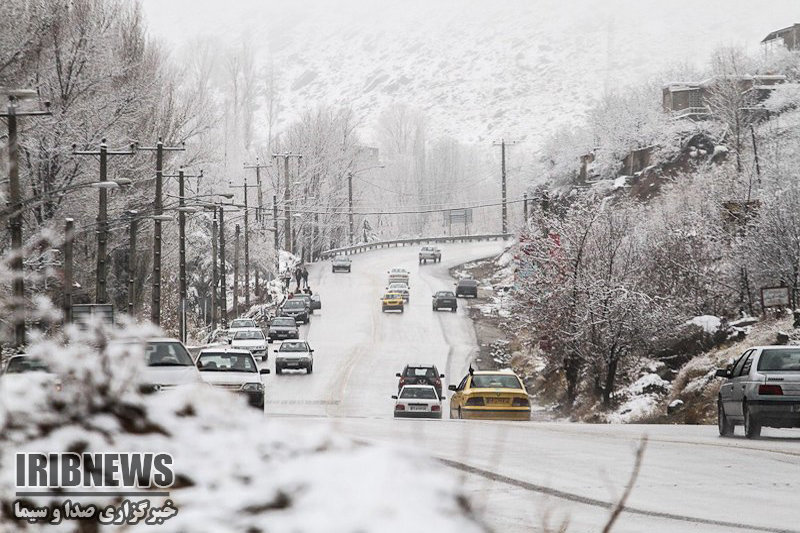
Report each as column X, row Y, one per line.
column 411, row 241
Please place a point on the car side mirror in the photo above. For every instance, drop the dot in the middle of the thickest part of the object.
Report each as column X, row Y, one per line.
column 276, row 351
column 441, row 375
column 230, row 341
column 264, row 371
column 394, row 396
column 723, row 373
column 398, row 375
column 269, row 341
column 311, row 351
column 452, row 388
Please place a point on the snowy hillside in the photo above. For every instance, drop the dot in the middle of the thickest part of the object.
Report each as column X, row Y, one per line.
column 478, row 69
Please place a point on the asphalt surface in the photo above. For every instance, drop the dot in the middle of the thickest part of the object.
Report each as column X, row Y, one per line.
column 521, row 476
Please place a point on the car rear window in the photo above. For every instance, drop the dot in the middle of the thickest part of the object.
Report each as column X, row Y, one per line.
column 468, row 283
column 495, row 381
column 294, row 304
column 419, row 372
column 19, row 365
column 779, row 361
column 422, row 393
column 243, row 324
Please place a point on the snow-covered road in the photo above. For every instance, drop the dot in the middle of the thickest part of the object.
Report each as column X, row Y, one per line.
column 521, row 473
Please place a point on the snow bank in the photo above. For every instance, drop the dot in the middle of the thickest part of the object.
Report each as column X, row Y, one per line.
column 709, row 323
column 236, row 470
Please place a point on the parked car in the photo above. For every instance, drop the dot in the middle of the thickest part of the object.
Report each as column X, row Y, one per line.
column 417, row 401
column 312, row 301
column 495, row 395
column 252, row 340
column 23, row 373
column 420, row 375
column 761, row 388
column 445, row 299
column 399, row 275
column 400, row 288
column 341, row 263
column 467, row 287
column 296, row 355
column 169, row 363
column 296, row 308
column 283, row 327
column 430, row 253
column 240, row 324
column 392, row 301
column 234, row 370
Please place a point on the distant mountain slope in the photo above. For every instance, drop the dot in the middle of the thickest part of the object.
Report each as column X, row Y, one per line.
column 478, row 68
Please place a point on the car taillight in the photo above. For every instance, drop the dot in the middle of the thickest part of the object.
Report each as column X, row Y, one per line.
column 435, row 408
column 399, row 407
column 770, row 390
column 521, row 402
column 476, row 400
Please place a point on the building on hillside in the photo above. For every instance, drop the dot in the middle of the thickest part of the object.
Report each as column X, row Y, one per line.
column 786, row 37
column 691, row 99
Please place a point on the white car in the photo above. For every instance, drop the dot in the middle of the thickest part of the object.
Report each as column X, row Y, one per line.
column 295, row 355
column 251, row 339
column 240, row 324
column 400, row 288
column 22, row 373
column 417, row 401
column 168, row 363
column 400, row 275
column 234, row 370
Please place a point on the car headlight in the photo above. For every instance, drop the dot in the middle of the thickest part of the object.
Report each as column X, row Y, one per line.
column 252, row 387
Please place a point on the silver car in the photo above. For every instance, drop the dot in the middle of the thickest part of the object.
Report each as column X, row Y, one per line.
column 295, row 355
column 761, row 388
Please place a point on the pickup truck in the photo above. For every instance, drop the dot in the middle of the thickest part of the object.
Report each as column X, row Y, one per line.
column 430, row 253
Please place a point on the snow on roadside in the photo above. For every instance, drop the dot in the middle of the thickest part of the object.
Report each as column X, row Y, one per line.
column 709, row 323
column 643, row 399
column 237, row 469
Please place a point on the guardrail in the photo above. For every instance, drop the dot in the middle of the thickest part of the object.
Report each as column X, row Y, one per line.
column 411, row 241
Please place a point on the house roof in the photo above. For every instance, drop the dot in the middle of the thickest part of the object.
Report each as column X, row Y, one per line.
column 778, row 33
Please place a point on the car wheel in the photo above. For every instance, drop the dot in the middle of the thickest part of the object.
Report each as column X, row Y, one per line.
column 454, row 309
column 460, row 414
column 402, row 309
column 433, row 307
column 278, row 370
column 309, row 369
column 725, row 426
column 263, row 358
column 752, row 429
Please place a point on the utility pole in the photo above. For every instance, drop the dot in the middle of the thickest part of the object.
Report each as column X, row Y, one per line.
column 236, row 272
column 159, row 149
column 350, row 204
column 287, row 198
column 503, row 190
column 214, row 271
column 69, row 239
column 525, row 209
column 132, row 230
column 182, row 284
column 101, row 294
column 224, row 279
column 246, row 238
column 260, row 194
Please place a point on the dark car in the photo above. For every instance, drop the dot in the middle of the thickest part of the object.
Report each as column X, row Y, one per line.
column 296, row 308
column 312, row 301
column 341, row 264
column 467, row 287
column 420, row 375
column 283, row 328
column 445, row 299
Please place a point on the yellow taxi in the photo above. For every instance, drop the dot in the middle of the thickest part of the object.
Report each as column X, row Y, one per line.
column 490, row 395
column 392, row 301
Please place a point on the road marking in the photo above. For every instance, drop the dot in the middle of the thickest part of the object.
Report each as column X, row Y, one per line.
column 577, row 498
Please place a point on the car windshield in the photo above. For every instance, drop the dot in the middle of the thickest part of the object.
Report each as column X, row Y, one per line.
column 19, row 365
column 392, row 296
column 226, row 362
column 495, row 381
column 289, row 346
column 445, row 294
column 283, row 322
column 167, row 354
column 779, row 361
column 248, row 335
column 423, row 393
column 240, row 323
column 419, row 372
column 398, row 287
column 294, row 304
